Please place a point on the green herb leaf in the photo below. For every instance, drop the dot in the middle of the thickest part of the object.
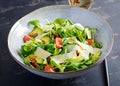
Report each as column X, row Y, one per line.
column 35, row 23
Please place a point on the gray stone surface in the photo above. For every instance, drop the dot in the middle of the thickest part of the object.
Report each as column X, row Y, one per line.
column 110, row 11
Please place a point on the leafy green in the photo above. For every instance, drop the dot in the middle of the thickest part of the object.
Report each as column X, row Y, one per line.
column 56, row 51
column 69, row 22
column 35, row 23
column 27, row 49
column 65, row 42
column 50, row 48
column 27, row 61
column 41, row 67
column 60, row 32
column 80, row 35
column 60, row 22
column 64, row 50
column 99, row 44
column 59, row 68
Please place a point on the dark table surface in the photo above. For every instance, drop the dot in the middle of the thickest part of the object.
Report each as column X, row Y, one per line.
column 12, row 74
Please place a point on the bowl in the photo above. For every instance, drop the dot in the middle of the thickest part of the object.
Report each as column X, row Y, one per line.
column 83, row 16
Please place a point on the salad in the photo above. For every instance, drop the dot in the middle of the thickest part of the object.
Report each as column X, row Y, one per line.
column 60, row 46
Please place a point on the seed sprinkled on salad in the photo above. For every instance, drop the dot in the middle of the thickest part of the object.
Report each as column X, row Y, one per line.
column 60, row 46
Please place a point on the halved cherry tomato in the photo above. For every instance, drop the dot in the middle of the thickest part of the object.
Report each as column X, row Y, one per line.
column 27, row 38
column 90, row 42
column 58, row 42
column 49, row 68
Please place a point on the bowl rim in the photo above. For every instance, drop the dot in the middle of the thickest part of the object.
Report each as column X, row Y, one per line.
column 80, row 71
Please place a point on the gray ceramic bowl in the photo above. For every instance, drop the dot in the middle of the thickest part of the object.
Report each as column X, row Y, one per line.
column 80, row 15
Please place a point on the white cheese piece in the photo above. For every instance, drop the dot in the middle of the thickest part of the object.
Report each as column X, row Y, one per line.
column 82, row 52
column 40, row 36
column 78, row 25
column 88, row 47
column 72, row 54
column 70, row 48
column 69, row 26
column 88, row 32
column 59, row 58
column 71, row 40
column 83, row 49
column 47, row 27
column 41, row 53
column 62, row 58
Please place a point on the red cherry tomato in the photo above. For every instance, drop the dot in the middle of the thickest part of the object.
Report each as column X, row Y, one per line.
column 48, row 68
column 58, row 42
column 90, row 42
column 27, row 38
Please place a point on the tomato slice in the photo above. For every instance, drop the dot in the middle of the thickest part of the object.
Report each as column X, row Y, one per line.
column 58, row 42
column 48, row 68
column 90, row 42
column 27, row 38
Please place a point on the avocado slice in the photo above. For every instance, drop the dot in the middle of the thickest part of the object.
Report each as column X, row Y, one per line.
column 96, row 56
column 45, row 39
column 34, row 59
column 36, row 31
column 39, row 60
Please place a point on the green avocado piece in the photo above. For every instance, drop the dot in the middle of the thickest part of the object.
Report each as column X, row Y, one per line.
column 36, row 31
column 45, row 39
column 77, row 59
column 96, row 56
column 39, row 60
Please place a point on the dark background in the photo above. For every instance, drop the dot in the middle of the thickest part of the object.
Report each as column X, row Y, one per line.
column 12, row 74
